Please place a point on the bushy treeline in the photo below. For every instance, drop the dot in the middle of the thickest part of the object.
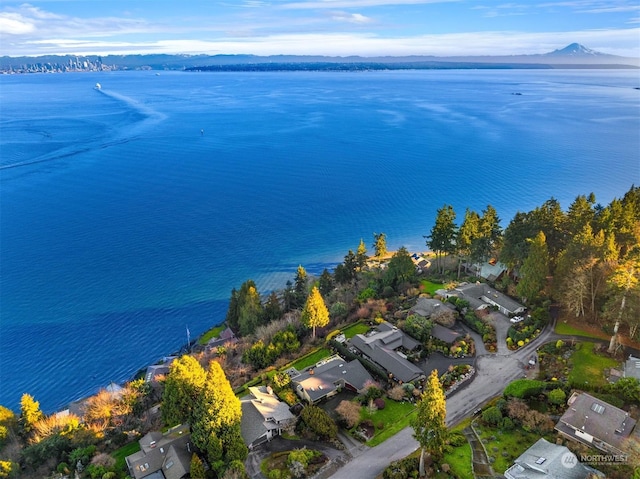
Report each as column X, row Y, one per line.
column 587, row 258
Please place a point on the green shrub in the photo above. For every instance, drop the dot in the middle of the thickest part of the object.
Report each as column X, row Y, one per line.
column 557, row 396
column 523, row 388
column 492, row 416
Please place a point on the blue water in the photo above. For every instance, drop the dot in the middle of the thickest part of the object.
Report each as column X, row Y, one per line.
column 122, row 225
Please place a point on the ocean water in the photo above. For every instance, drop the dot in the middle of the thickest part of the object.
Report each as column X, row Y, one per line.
column 128, row 214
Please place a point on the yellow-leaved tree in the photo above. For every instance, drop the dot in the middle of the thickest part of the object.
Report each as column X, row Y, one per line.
column 216, row 423
column 315, row 312
column 429, row 427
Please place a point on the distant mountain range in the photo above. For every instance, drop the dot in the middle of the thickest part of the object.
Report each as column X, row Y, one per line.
column 571, row 56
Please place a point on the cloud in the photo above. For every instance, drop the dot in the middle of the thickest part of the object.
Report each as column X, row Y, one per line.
column 346, row 44
column 14, row 24
column 357, row 3
column 350, row 17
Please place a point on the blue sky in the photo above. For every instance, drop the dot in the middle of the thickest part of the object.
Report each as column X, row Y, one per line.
column 318, row 27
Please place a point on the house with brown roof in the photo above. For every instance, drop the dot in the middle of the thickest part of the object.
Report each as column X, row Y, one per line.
column 545, row 460
column 327, row 377
column 596, row 423
column 162, row 456
column 264, row 416
column 384, row 347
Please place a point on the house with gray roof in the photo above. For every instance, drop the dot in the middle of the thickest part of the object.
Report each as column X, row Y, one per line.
column 264, row 416
column 545, row 460
column 383, row 348
column 596, row 423
column 632, row 367
column 481, row 294
column 226, row 336
column 162, row 455
column 327, row 377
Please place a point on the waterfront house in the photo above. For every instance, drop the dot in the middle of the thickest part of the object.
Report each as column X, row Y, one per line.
column 162, row 455
column 385, row 347
column 596, row 423
column 264, row 416
column 327, row 377
column 545, row 460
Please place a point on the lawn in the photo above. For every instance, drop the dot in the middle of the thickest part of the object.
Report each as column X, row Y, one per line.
column 570, row 330
column 124, row 451
column 212, row 333
column 429, row 287
column 311, row 358
column 460, row 458
column 357, row 328
column 588, row 367
column 460, row 461
column 393, row 418
column 505, row 446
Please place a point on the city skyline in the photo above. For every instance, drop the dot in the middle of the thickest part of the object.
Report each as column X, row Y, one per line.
column 318, row 27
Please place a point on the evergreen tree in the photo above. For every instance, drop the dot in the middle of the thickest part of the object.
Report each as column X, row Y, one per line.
column 288, row 296
column 443, row 235
column 430, row 429
column 325, row 283
column 30, row 413
column 251, row 311
column 468, row 232
column 579, row 214
column 380, row 244
column 515, row 246
column 535, row 270
column 351, row 266
column 216, row 416
column 361, row 254
column 489, row 240
column 300, row 287
column 315, row 313
column 400, row 269
column 233, row 312
column 197, row 470
column 182, row 390
column 272, row 309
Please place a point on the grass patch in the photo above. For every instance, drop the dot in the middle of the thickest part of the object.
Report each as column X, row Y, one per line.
column 569, row 330
column 460, row 461
column 311, row 358
column 124, row 451
column 357, row 328
column 505, row 446
column 212, row 333
column 394, row 417
column 430, row 287
column 588, row 368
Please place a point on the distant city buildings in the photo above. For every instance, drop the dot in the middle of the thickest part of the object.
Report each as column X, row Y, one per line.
column 70, row 64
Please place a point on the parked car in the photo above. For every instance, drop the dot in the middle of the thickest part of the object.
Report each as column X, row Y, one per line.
column 516, row 319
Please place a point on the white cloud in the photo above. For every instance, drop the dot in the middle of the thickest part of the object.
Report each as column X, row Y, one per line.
column 350, row 17
column 14, row 24
column 357, row 3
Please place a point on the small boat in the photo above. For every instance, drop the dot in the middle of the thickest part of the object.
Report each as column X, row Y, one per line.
column 98, row 86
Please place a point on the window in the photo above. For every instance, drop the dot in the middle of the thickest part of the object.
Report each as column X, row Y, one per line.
column 541, row 460
column 598, row 408
column 169, row 464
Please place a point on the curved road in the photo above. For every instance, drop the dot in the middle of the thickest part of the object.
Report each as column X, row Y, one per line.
column 493, row 373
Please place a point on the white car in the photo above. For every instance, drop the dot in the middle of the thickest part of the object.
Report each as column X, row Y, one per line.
column 516, row 319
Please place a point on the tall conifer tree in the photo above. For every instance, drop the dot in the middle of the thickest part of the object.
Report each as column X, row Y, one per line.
column 315, row 312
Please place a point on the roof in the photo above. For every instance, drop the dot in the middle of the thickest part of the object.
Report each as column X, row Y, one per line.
column 261, row 412
column 252, row 426
column 225, row 336
column 478, row 291
column 427, row 306
column 168, row 453
column 544, row 460
column 632, row 368
column 381, row 346
column 491, row 272
column 444, row 334
column 596, row 418
column 327, row 375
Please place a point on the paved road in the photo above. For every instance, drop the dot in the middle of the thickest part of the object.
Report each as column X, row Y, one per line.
column 493, row 373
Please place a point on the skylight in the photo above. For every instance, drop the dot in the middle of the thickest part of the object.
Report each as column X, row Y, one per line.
column 540, row 460
column 599, row 408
